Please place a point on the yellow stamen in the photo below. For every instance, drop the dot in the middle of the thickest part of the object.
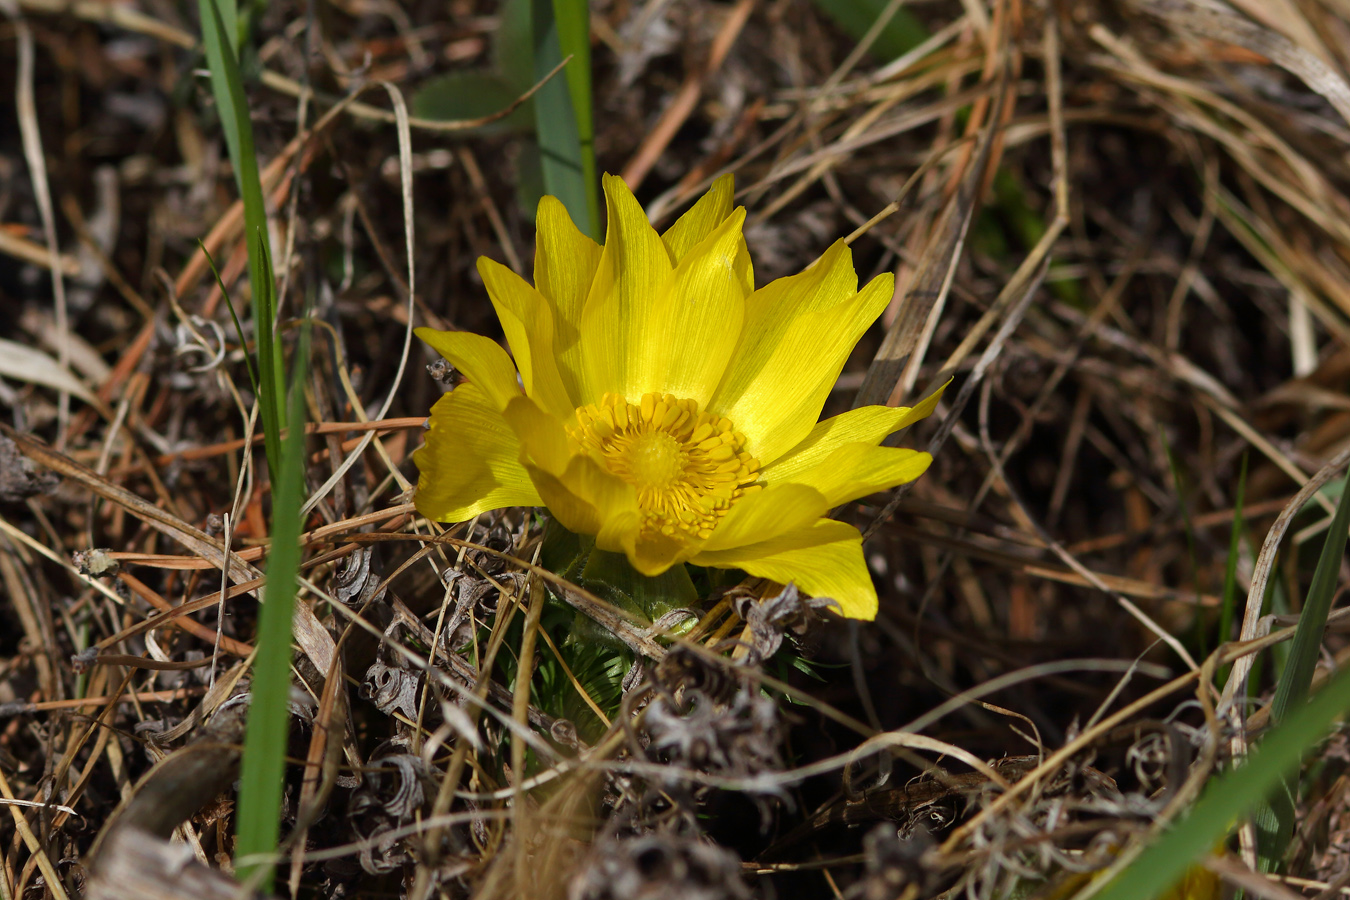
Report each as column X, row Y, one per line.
column 688, row 467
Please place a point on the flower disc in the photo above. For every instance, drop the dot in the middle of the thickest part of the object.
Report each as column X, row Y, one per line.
column 688, row 467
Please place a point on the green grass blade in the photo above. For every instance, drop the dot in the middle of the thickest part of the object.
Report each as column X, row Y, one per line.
column 562, row 109
column 1275, row 821
column 219, row 35
column 1229, row 597
column 234, row 317
column 1231, row 796
column 1306, row 648
column 258, row 822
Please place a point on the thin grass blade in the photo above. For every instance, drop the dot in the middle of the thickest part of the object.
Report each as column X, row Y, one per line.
column 1231, row 796
column 258, row 821
column 1179, row 485
column 1275, row 821
column 234, row 317
column 219, row 37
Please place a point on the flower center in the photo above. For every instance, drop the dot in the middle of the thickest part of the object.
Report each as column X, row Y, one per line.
column 688, row 467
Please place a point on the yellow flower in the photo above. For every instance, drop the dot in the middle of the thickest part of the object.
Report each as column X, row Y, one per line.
column 669, row 408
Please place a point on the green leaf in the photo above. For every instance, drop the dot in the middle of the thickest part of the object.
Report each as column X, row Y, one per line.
column 473, row 94
column 513, row 45
column 564, row 552
column 652, row 596
column 562, row 109
column 573, row 18
column 598, row 668
column 854, row 17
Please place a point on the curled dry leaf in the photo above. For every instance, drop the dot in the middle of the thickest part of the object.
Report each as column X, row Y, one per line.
column 391, row 689
column 707, row 716
column 395, row 786
column 395, row 789
column 474, row 598
column 770, row 618
column 659, row 867
column 358, row 581
column 692, row 671
column 737, row 737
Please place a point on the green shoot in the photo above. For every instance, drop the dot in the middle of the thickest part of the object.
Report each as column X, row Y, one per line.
column 1179, row 484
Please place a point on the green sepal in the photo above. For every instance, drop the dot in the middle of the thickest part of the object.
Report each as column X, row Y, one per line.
column 650, row 596
column 611, row 578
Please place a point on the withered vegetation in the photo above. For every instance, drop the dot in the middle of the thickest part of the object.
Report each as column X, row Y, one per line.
column 1121, row 228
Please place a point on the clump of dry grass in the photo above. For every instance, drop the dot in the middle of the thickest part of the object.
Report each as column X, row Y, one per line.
column 1121, row 228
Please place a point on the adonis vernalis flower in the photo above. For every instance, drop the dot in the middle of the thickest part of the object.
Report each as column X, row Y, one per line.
column 667, row 407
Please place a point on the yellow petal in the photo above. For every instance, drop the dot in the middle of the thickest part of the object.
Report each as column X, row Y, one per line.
column 527, row 320
column 743, row 268
column 619, row 532
column 578, row 491
column 766, row 514
column 700, row 219
column 649, row 554
column 769, row 314
column 684, row 336
column 471, row 460
column 481, row 359
column 776, row 385
column 868, row 425
column 824, row 559
column 584, row 497
column 543, row 439
column 827, row 282
column 564, row 267
column 856, row 470
column 634, row 269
